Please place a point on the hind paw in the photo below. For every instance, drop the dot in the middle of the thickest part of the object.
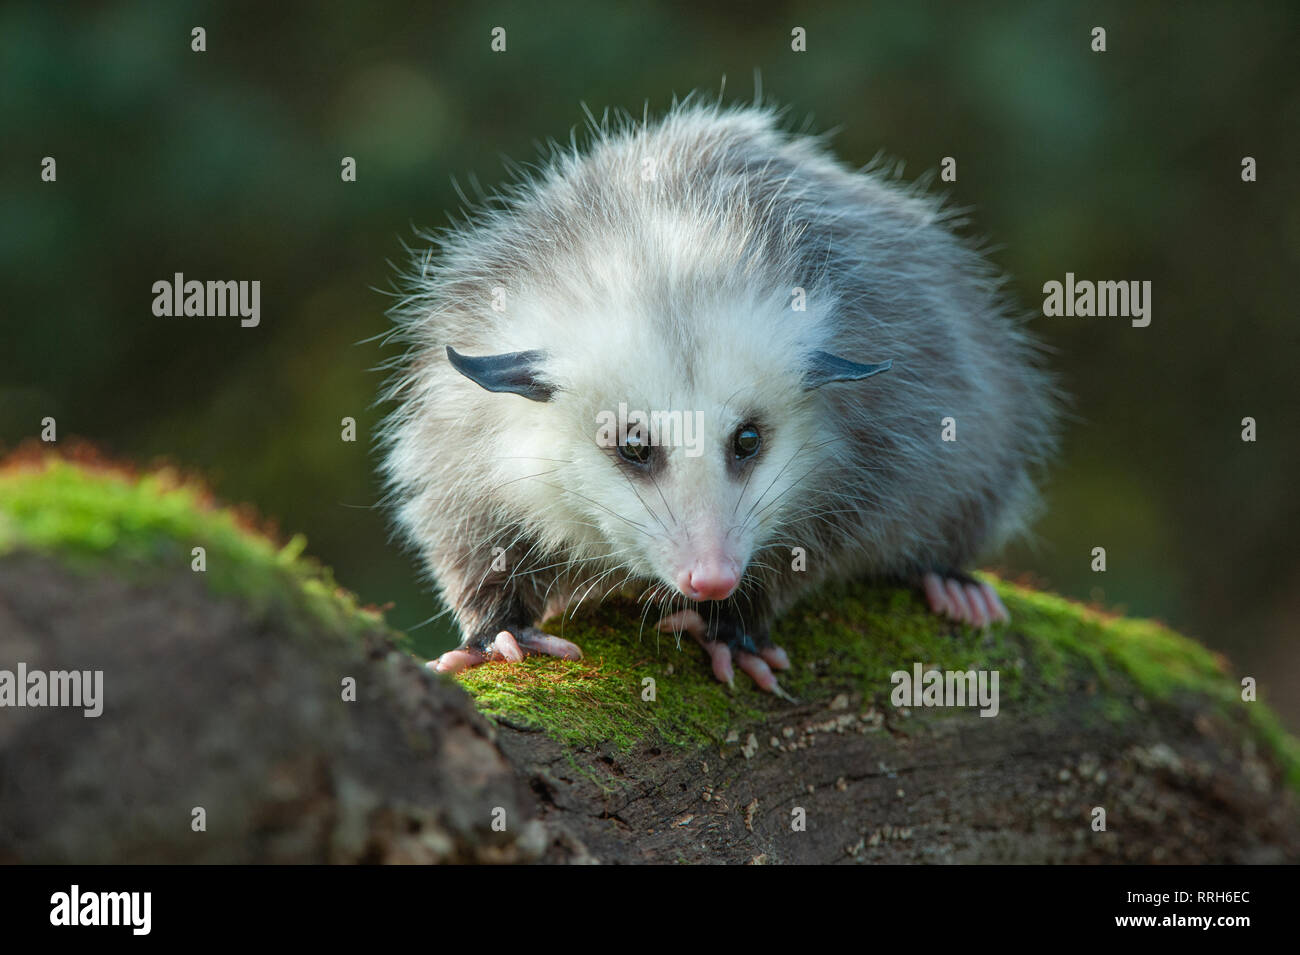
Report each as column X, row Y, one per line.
column 963, row 598
column 510, row 645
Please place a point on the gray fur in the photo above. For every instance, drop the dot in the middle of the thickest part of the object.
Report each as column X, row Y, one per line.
column 879, row 494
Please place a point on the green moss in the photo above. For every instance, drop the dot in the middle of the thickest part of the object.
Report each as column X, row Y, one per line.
column 1146, row 655
column 846, row 639
column 599, row 699
column 91, row 517
column 852, row 637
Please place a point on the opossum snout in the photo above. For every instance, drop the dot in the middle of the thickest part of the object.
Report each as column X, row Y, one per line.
column 709, row 578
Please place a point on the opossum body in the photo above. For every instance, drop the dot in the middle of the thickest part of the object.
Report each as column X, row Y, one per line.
column 701, row 357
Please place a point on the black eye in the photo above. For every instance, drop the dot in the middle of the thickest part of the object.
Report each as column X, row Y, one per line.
column 636, row 449
column 746, row 442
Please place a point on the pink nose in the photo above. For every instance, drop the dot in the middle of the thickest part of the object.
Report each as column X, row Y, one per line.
column 711, row 580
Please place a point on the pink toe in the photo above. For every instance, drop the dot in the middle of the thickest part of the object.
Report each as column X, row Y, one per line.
column 721, row 656
column 719, row 653
column 684, row 620
column 507, row 648
column 995, row 603
column 453, row 661
column 776, row 657
column 934, row 594
column 758, row 671
column 976, row 597
column 538, row 642
column 961, row 609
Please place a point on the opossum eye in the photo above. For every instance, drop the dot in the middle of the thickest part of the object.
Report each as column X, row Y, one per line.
column 636, row 449
column 746, row 442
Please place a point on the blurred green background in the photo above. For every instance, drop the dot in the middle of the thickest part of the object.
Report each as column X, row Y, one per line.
column 225, row 164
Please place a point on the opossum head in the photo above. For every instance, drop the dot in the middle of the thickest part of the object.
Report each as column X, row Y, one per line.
column 675, row 450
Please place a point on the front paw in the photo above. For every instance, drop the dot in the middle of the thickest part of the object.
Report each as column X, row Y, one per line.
column 725, row 640
column 509, row 644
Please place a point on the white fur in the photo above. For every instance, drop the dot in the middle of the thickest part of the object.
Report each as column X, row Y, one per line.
column 675, row 294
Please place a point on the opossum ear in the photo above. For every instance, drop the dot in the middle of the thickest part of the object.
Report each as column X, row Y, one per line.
column 823, row 368
column 515, row 372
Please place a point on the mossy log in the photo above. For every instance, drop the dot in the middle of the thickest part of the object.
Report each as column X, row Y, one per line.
column 226, row 690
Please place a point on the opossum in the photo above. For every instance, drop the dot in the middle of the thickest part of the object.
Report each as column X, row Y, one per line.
column 857, row 397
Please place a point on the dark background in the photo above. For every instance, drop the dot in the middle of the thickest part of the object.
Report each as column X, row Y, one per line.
column 225, row 165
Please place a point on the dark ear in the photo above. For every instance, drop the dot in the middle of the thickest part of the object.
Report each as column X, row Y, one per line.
column 515, row 372
column 823, row 368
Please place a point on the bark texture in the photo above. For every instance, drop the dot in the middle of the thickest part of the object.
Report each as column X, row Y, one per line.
column 213, row 704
